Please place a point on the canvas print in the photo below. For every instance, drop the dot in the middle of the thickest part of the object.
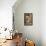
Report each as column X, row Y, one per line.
column 28, row 18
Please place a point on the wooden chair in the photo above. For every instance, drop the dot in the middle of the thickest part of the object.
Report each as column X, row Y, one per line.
column 18, row 39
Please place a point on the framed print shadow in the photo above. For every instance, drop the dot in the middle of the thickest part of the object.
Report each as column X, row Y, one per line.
column 28, row 19
column 13, row 22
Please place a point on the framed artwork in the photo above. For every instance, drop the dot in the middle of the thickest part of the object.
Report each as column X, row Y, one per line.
column 28, row 18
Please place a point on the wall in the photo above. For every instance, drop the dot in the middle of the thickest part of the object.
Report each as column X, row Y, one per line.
column 6, row 18
column 29, row 32
column 43, row 22
column 6, row 13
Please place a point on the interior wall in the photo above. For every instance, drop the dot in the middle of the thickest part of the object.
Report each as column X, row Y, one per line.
column 29, row 32
column 43, row 22
column 6, row 13
column 27, row 6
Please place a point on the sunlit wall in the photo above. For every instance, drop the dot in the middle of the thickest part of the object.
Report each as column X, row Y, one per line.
column 6, row 13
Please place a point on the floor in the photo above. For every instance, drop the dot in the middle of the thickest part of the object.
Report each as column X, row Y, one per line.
column 9, row 43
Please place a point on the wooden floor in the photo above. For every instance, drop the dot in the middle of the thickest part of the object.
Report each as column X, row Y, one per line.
column 9, row 43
